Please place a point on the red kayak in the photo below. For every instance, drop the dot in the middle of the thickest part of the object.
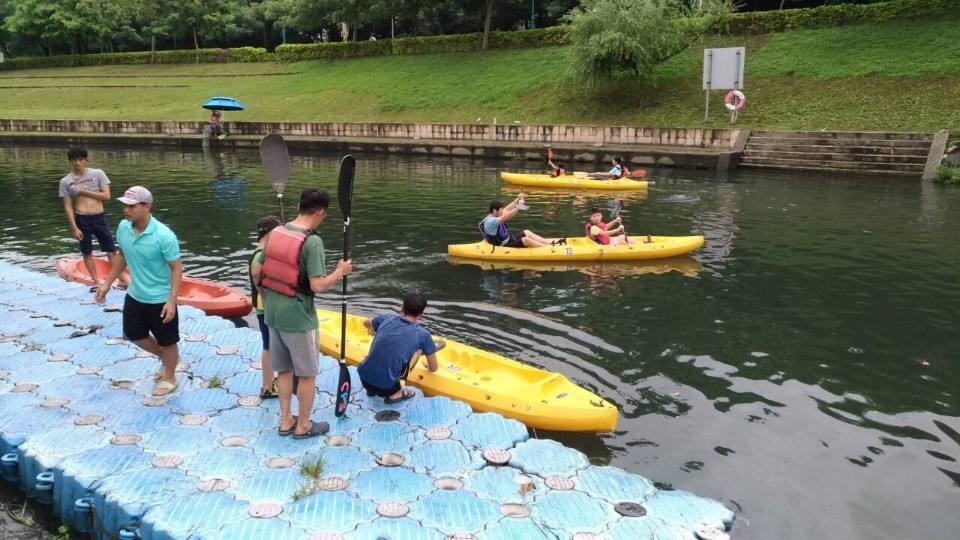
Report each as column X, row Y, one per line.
column 209, row 296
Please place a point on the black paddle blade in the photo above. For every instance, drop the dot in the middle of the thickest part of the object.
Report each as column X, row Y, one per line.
column 276, row 160
column 348, row 166
column 343, row 390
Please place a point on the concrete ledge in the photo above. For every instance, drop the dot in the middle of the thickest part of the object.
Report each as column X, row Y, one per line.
column 937, row 149
column 649, row 156
column 513, row 133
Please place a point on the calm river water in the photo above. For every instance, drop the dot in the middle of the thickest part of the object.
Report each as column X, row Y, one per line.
column 802, row 366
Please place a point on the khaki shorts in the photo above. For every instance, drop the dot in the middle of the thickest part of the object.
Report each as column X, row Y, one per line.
column 295, row 351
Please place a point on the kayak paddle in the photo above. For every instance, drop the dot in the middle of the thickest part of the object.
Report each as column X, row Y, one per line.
column 348, row 166
column 276, row 161
column 615, row 214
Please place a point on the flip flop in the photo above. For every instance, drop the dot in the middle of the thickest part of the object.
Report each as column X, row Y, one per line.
column 164, row 388
column 160, row 374
column 407, row 394
column 316, row 429
column 285, row 432
column 94, row 288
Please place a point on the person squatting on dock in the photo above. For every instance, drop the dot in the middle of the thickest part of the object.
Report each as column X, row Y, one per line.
column 398, row 341
column 83, row 192
column 152, row 252
column 290, row 271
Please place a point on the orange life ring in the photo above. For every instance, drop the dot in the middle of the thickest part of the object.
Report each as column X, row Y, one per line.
column 734, row 105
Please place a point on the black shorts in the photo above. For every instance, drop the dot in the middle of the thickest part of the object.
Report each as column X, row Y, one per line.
column 380, row 392
column 94, row 225
column 140, row 320
column 514, row 241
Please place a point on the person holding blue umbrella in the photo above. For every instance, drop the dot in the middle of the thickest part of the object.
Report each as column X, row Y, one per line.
column 216, row 126
column 217, row 104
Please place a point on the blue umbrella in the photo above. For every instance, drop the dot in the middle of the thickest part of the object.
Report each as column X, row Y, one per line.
column 221, row 103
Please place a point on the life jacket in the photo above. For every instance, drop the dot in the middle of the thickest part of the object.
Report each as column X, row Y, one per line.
column 281, row 263
column 598, row 238
column 558, row 172
column 624, row 172
column 497, row 240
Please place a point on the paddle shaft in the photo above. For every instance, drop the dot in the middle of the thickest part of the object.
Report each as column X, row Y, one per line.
column 616, row 214
column 345, row 197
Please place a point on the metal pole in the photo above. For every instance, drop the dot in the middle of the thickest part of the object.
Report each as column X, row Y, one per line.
column 533, row 15
column 283, row 30
column 706, row 110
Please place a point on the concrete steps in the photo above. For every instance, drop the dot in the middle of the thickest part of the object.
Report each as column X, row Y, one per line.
column 886, row 154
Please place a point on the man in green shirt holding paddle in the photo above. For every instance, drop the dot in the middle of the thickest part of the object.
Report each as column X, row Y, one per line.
column 290, row 271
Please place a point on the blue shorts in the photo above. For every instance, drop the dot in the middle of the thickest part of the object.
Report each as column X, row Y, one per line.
column 264, row 332
column 94, row 225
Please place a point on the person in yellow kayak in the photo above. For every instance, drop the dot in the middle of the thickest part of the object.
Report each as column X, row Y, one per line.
column 396, row 340
column 619, row 170
column 555, row 169
column 494, row 228
column 601, row 233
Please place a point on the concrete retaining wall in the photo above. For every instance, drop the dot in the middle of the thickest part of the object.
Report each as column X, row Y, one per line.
column 718, row 139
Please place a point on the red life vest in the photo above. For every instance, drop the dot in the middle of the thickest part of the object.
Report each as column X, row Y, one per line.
column 281, row 262
column 598, row 238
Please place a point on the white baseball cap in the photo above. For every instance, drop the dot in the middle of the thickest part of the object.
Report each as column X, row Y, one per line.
column 136, row 195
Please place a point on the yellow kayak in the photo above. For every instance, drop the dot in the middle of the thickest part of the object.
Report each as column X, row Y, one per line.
column 487, row 382
column 572, row 182
column 581, row 248
column 685, row 265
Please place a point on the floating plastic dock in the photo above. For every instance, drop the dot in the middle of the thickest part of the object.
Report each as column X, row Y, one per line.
column 80, row 431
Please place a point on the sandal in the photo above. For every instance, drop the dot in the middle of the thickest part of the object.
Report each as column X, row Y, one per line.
column 164, row 388
column 407, row 394
column 284, row 432
column 267, row 393
column 160, row 374
column 316, row 429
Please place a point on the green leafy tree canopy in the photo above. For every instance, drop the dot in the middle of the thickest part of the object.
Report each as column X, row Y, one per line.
column 630, row 38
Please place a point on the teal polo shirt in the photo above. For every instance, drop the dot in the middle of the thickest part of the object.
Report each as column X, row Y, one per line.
column 148, row 257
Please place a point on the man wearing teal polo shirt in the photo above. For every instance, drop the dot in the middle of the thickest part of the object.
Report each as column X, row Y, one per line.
column 152, row 252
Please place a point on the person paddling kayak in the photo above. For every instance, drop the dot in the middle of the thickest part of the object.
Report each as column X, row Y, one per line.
column 494, row 228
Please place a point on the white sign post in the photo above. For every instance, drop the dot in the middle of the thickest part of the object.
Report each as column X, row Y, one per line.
column 722, row 70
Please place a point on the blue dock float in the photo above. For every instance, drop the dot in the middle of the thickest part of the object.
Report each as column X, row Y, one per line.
column 80, row 431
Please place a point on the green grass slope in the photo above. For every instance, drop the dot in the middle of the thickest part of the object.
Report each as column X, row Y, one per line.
column 898, row 76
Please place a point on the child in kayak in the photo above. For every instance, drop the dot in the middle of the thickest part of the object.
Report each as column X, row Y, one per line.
column 555, row 169
column 494, row 228
column 619, row 170
column 600, row 232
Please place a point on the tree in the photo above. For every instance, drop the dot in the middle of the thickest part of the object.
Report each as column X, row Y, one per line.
column 105, row 18
column 613, row 38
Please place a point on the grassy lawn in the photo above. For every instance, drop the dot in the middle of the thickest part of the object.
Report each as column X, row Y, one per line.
column 899, row 76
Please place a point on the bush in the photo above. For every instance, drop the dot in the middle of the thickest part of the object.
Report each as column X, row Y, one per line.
column 947, row 174
column 180, row 56
column 522, row 39
column 765, row 22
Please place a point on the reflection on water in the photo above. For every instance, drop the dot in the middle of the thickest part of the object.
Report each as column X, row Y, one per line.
column 801, row 365
column 496, row 276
